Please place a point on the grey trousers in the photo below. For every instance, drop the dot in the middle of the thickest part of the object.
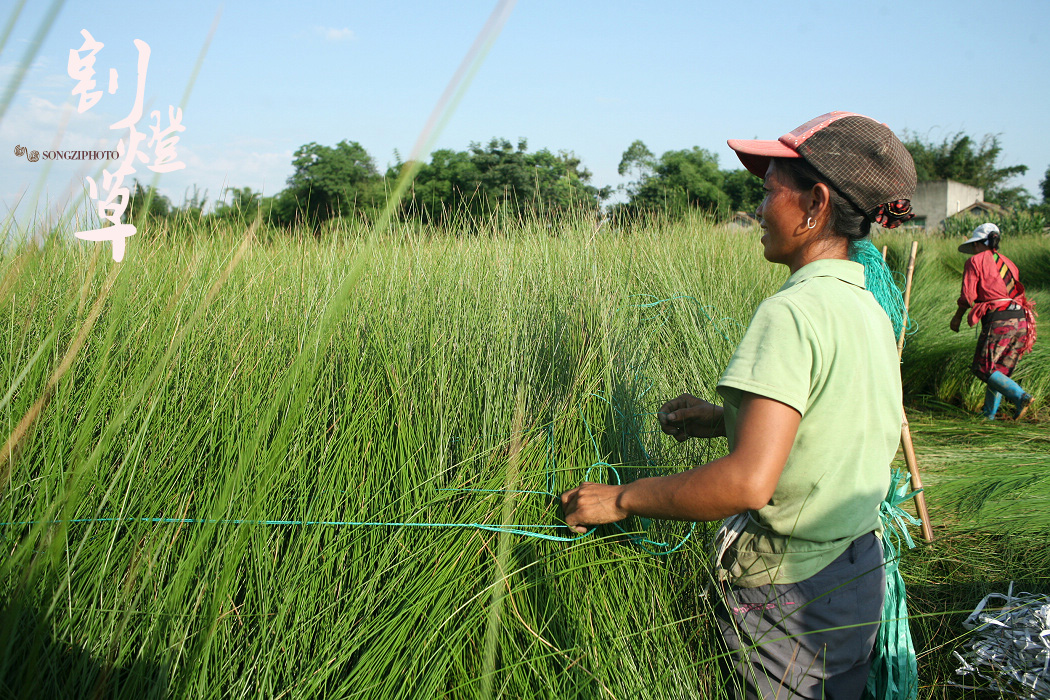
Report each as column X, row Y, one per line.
column 812, row 639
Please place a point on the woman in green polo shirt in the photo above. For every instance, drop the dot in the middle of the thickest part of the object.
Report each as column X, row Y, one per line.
column 812, row 411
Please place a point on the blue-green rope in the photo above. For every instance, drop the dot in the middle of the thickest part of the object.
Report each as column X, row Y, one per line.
column 511, row 529
column 653, row 547
column 703, row 308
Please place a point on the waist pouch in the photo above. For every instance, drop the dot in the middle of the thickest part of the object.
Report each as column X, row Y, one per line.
column 1001, row 316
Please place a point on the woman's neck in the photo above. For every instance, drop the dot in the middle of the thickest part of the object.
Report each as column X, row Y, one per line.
column 824, row 248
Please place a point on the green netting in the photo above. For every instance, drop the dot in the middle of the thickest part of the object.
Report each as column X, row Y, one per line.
column 878, row 278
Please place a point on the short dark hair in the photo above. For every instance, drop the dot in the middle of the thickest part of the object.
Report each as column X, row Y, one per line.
column 844, row 219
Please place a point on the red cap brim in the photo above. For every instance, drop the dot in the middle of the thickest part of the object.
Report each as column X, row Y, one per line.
column 755, row 155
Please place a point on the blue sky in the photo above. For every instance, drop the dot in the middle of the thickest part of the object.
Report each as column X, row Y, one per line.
column 585, row 76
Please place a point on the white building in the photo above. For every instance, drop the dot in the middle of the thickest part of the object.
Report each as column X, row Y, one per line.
column 936, row 200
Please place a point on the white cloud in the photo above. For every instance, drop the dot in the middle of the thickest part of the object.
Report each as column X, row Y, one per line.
column 213, row 168
column 332, row 34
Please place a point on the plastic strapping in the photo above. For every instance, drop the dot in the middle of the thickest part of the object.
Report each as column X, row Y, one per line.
column 1010, row 647
column 895, row 672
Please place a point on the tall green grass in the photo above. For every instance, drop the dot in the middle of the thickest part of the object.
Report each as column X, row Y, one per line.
column 360, row 376
column 247, row 405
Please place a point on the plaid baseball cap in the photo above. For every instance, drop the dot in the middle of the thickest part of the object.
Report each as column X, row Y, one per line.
column 857, row 155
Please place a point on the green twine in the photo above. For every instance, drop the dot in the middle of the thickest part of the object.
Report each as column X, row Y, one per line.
column 650, row 546
column 894, row 673
column 662, row 548
column 653, row 547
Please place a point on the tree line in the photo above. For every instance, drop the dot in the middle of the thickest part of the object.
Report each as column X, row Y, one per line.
column 460, row 187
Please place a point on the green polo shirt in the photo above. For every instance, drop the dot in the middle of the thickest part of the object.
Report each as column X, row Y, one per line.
column 823, row 346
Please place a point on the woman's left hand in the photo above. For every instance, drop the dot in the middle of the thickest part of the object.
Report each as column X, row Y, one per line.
column 591, row 504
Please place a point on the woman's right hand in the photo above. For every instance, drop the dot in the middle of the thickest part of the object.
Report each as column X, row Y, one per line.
column 957, row 319
column 687, row 417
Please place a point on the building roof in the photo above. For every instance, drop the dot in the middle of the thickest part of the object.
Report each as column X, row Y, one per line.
column 981, row 208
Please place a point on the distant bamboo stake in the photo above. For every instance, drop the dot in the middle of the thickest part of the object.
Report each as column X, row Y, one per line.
column 907, row 296
column 885, row 248
column 906, row 443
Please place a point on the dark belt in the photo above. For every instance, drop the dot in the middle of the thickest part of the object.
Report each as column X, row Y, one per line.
column 1001, row 316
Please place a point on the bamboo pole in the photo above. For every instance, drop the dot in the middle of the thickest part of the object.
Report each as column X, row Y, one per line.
column 906, row 443
column 916, row 481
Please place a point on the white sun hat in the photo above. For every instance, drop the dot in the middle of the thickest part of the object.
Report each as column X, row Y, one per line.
column 980, row 234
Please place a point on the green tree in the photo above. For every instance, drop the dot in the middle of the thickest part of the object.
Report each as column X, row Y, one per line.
column 447, row 184
column 676, row 182
column 329, row 182
column 243, row 206
column 960, row 158
column 145, row 202
column 193, row 205
column 499, row 177
column 1044, row 185
column 639, row 161
column 744, row 190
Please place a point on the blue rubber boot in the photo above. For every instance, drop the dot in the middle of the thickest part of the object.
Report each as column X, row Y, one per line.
column 991, row 403
column 1020, row 398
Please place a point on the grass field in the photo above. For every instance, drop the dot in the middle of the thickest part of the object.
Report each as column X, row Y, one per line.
column 192, row 429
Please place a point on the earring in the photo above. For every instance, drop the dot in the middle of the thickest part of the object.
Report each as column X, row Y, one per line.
column 810, row 223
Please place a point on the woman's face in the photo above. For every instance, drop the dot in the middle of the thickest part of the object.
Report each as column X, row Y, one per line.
column 783, row 218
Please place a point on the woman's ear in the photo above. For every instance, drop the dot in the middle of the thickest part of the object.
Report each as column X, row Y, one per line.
column 819, row 205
